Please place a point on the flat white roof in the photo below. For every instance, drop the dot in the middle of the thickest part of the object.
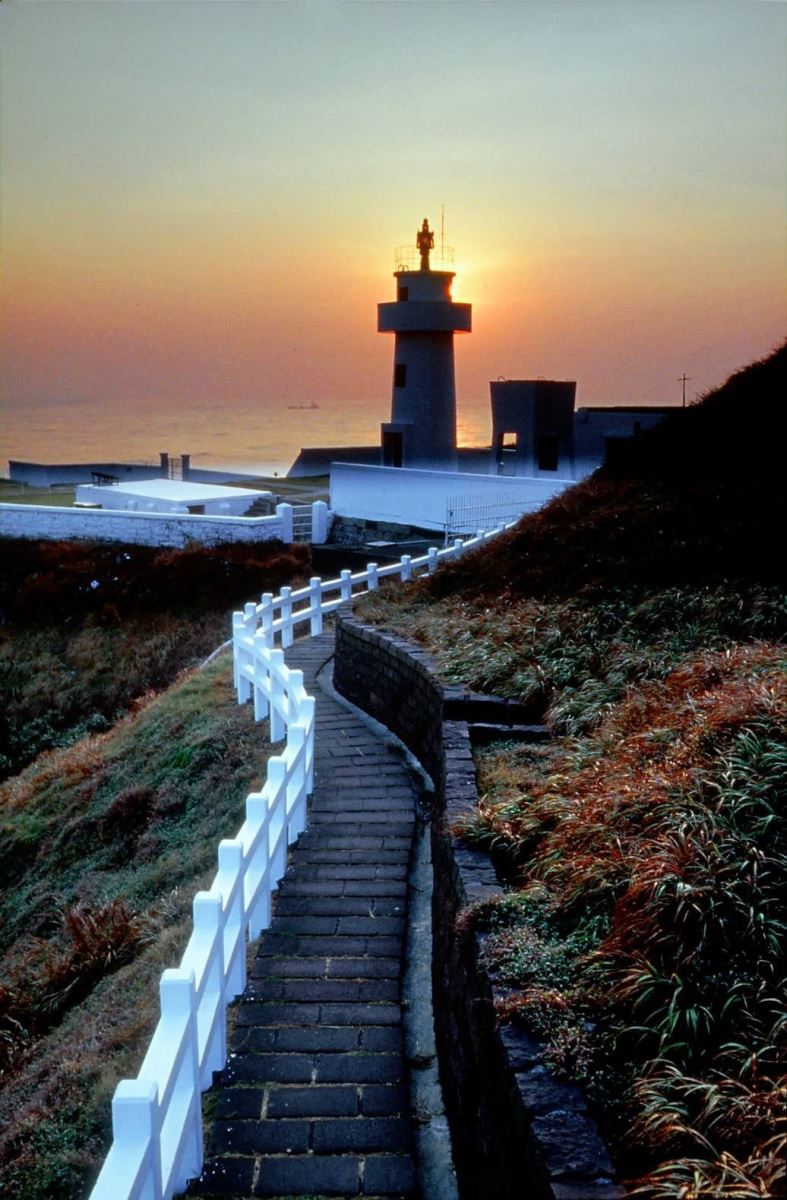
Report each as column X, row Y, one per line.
column 177, row 490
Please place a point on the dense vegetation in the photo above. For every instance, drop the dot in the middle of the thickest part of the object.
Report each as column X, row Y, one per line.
column 642, row 937
column 88, row 627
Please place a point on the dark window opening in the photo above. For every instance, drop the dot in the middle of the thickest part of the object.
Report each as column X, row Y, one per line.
column 548, row 451
column 196, row 509
column 400, row 374
column 404, row 293
column 392, row 449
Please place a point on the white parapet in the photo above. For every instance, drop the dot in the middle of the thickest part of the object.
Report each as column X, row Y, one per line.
column 425, row 499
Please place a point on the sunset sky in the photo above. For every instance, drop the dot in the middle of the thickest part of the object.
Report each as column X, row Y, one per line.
column 201, row 201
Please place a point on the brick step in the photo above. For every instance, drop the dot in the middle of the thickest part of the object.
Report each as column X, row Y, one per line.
column 311, row 991
column 308, row 926
column 304, row 1039
column 375, row 856
column 287, row 944
column 326, row 968
column 339, row 906
column 252, row 1012
column 361, row 824
column 301, row 1135
column 264, row 1067
column 306, row 884
column 362, row 843
column 375, row 800
column 322, row 1100
column 315, row 1176
column 344, row 870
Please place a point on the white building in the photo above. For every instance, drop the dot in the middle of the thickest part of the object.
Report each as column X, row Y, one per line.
column 176, row 496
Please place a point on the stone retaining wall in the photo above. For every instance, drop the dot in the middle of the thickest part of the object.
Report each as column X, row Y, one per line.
column 515, row 1129
column 146, row 529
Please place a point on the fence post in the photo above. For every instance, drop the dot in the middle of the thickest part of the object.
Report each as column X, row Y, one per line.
column 319, row 522
column 238, row 629
column 307, row 715
column 135, row 1133
column 458, row 547
column 257, row 873
column 433, row 559
column 278, row 724
column 296, row 788
column 371, row 571
column 286, row 617
column 284, row 513
column 178, row 1004
column 315, row 605
column 233, row 916
column 207, row 917
column 406, row 569
column 261, row 676
column 347, row 587
column 266, row 617
column 277, row 830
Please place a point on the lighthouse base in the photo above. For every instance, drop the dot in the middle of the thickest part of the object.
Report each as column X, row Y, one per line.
column 403, row 447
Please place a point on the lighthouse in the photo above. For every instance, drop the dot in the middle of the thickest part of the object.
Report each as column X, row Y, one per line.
column 423, row 319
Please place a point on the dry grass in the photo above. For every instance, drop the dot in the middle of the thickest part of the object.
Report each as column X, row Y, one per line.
column 643, row 935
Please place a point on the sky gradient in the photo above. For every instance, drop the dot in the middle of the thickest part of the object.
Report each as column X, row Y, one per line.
column 201, row 200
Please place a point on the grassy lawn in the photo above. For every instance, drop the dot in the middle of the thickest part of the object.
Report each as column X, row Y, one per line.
column 59, row 495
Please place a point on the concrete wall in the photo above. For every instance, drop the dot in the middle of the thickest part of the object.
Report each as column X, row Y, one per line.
column 533, row 409
column 515, row 1129
column 420, row 498
column 594, row 428
column 55, row 524
column 45, row 474
column 316, row 460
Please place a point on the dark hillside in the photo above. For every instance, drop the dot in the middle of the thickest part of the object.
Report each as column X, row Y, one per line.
column 642, row 616
column 86, row 628
column 697, row 502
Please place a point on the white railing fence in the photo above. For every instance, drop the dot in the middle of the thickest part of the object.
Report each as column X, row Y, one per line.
column 157, row 1117
column 276, row 617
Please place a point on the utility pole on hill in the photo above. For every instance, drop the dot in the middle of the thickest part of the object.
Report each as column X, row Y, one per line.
column 684, row 379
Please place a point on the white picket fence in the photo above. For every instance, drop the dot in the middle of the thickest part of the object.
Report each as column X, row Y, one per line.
column 157, row 1117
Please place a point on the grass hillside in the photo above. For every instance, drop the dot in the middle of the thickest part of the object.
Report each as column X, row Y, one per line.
column 642, row 616
column 119, row 785
column 102, row 847
column 86, row 628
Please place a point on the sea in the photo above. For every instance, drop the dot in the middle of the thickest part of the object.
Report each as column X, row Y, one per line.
column 260, row 438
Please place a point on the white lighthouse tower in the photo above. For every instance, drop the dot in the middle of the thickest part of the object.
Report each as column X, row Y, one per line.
column 424, row 318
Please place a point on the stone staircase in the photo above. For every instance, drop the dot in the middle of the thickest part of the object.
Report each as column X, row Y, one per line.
column 314, row 1101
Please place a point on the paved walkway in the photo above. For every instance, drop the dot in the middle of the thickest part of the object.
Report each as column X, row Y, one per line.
column 314, row 1099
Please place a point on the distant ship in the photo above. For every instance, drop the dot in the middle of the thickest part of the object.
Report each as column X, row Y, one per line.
column 297, row 406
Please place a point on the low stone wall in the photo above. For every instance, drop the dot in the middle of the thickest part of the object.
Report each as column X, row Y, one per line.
column 516, row 1131
column 355, row 532
column 146, row 529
